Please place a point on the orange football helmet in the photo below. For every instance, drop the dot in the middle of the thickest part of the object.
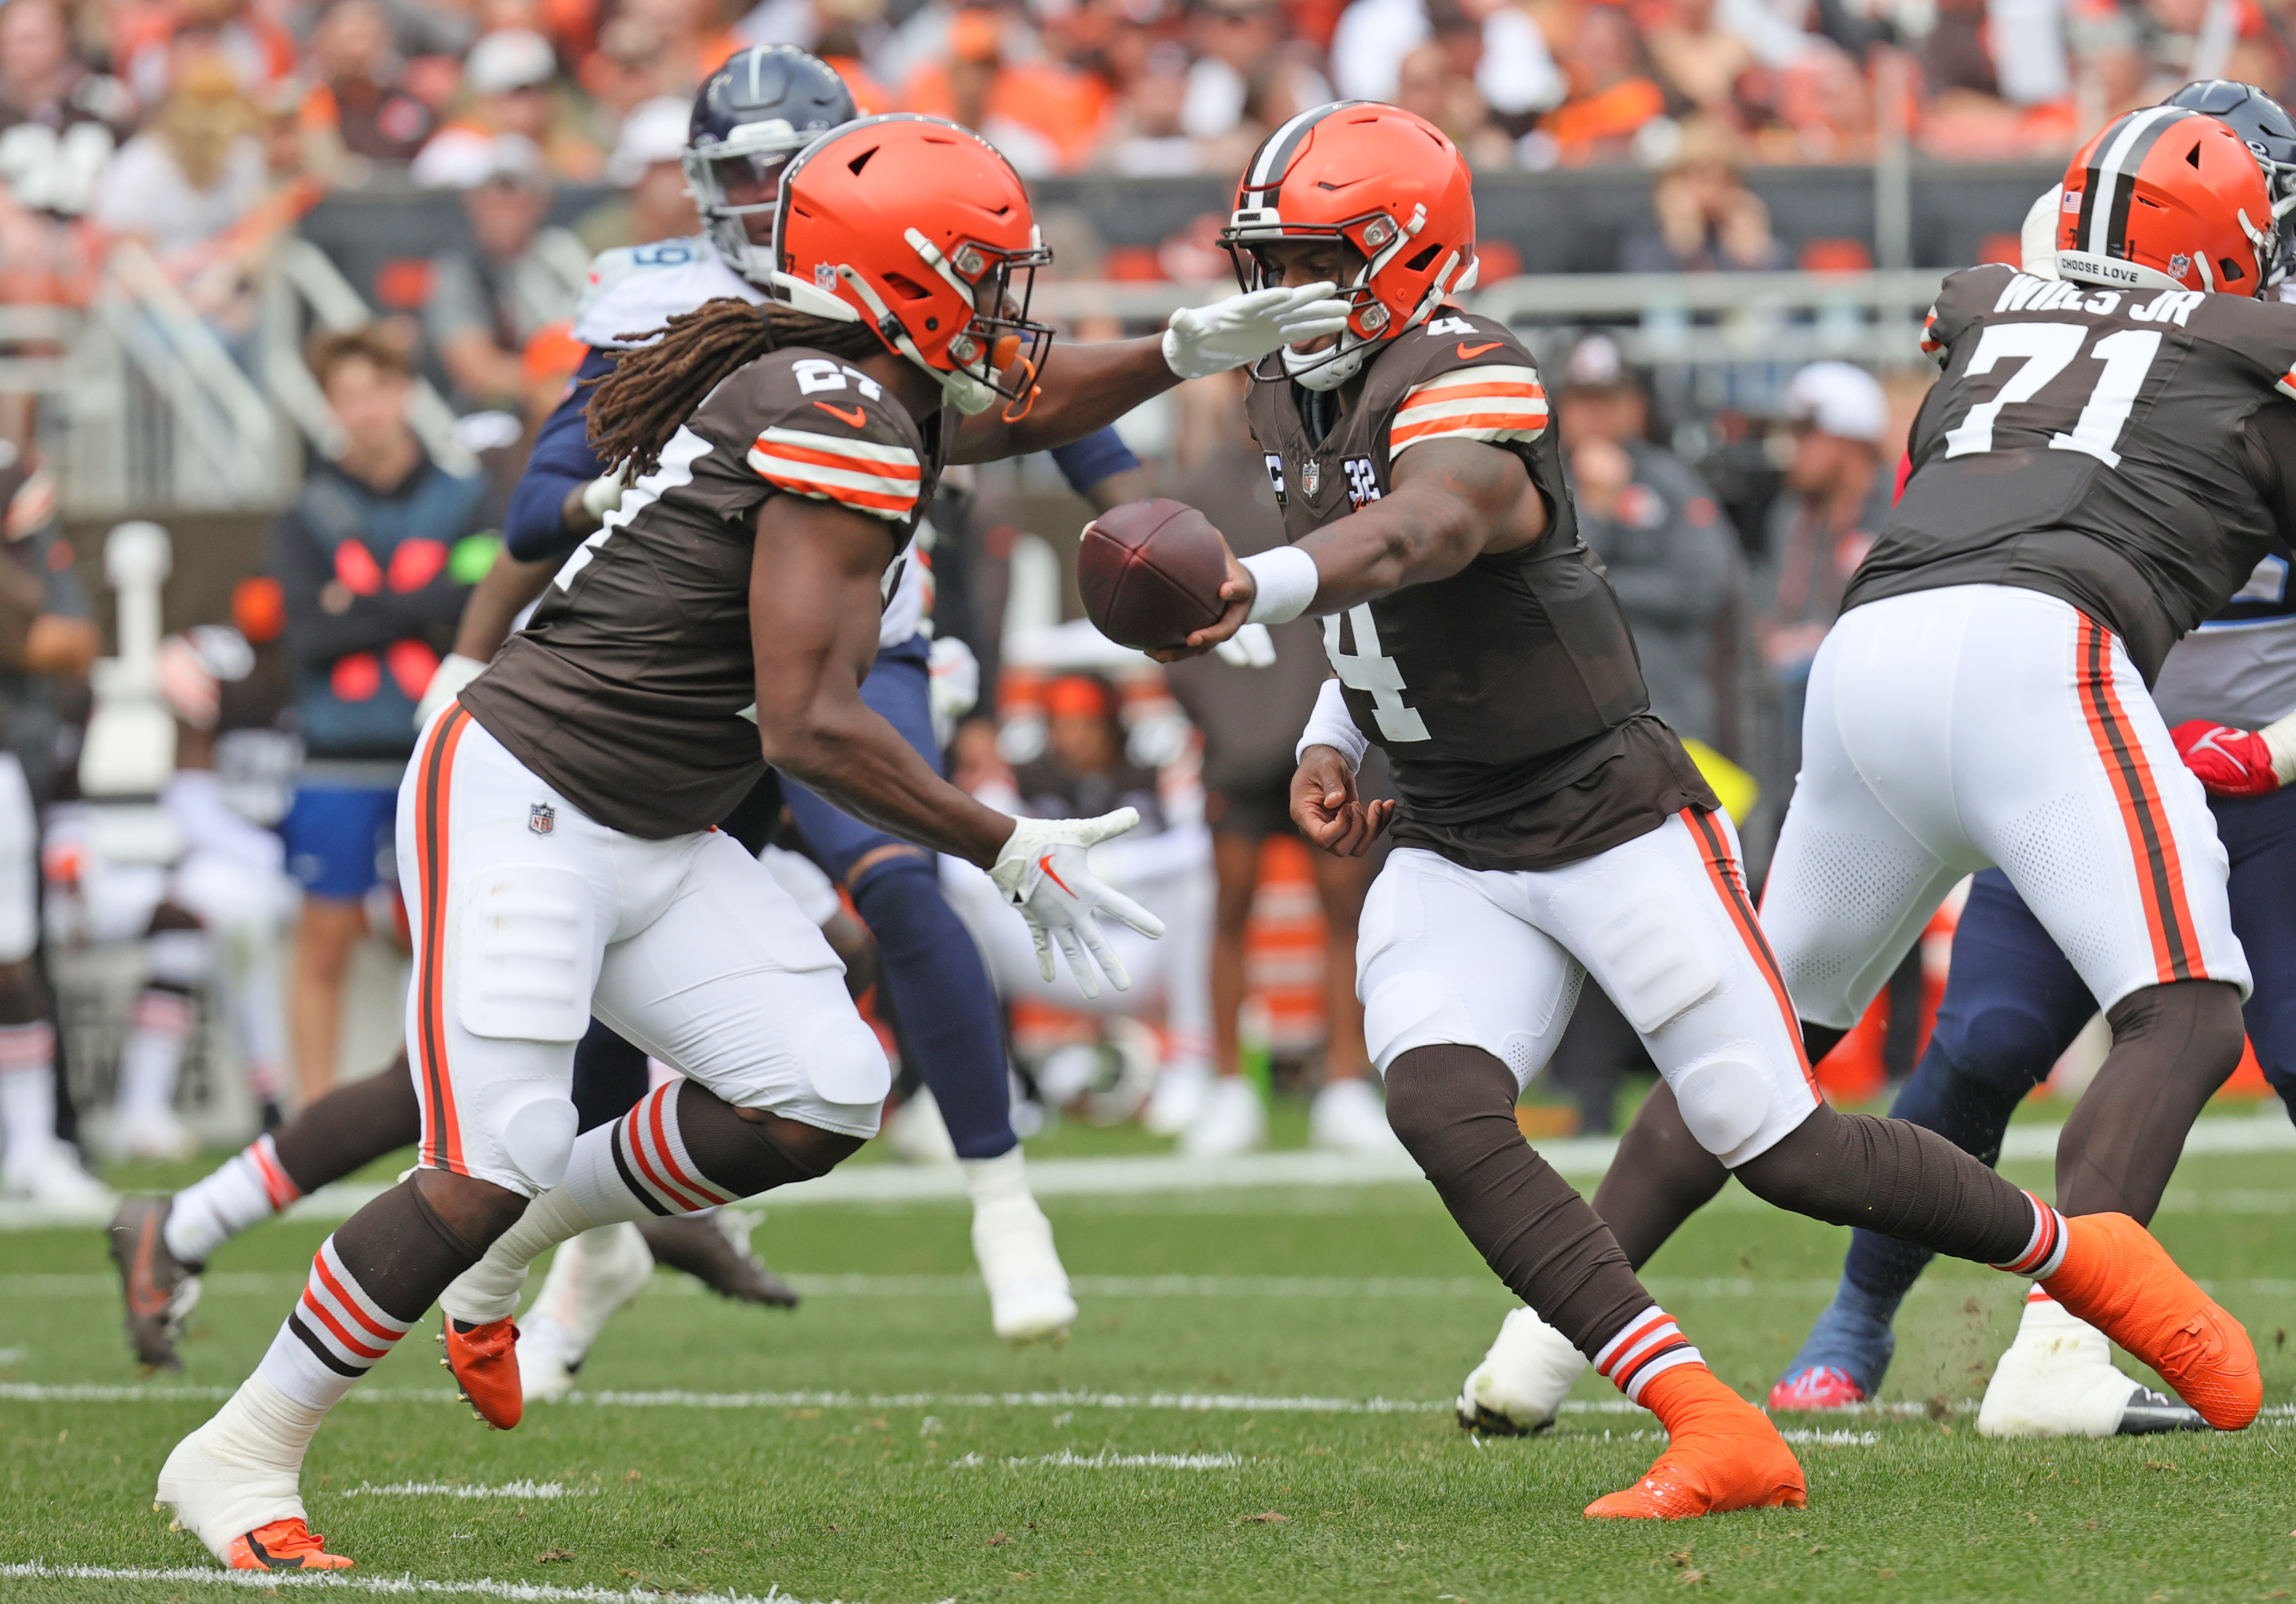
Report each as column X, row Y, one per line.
column 1387, row 183
column 2167, row 199
column 921, row 229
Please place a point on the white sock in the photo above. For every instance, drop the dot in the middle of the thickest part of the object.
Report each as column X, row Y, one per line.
column 999, row 1180
column 333, row 1337
column 27, row 1088
column 153, row 1054
column 249, row 1187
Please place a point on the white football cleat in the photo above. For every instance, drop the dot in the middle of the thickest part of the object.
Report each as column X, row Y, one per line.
column 1232, row 1120
column 590, row 1277
column 155, row 1134
column 1522, row 1382
column 51, row 1176
column 916, row 1133
column 241, row 1470
column 1178, row 1098
column 2058, row 1380
column 1028, row 1295
column 1350, row 1116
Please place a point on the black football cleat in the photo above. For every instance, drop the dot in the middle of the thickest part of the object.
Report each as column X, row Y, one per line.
column 715, row 1251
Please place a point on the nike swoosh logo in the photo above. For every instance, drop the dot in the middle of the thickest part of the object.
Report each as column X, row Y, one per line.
column 142, row 1298
column 852, row 420
column 1045, row 864
column 1467, row 353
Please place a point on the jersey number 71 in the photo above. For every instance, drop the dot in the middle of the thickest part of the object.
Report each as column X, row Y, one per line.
column 2046, row 350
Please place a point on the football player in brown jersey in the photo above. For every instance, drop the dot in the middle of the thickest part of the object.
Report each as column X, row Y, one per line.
column 1550, row 828
column 555, row 832
column 2098, row 470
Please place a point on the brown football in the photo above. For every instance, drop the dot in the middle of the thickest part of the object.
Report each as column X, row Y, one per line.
column 1150, row 572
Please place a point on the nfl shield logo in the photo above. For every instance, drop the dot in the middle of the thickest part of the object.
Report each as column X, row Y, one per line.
column 2180, row 265
column 1311, row 476
column 542, row 819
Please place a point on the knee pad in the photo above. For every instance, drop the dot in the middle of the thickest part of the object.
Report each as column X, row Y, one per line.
column 535, row 1125
column 847, row 1064
column 527, row 960
column 1724, row 1097
column 1416, row 1009
column 179, row 960
column 2002, row 1045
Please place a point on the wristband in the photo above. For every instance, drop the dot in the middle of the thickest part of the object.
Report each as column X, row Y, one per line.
column 2280, row 740
column 1286, row 580
column 1332, row 724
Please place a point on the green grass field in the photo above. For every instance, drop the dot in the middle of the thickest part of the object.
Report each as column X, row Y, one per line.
column 1212, row 1432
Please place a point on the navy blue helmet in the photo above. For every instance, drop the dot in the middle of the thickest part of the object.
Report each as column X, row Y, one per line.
column 2266, row 128
column 763, row 106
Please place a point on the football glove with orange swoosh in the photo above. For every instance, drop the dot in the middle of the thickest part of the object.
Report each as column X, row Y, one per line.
column 1042, row 870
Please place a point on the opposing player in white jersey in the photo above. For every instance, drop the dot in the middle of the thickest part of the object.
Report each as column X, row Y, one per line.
column 556, row 834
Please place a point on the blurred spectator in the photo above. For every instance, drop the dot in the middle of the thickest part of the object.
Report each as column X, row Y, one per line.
column 192, row 174
column 152, row 43
column 485, row 302
column 1613, row 95
column 1515, row 71
column 367, row 569
column 1430, row 84
column 1699, row 58
column 630, row 66
column 654, row 204
column 1706, row 218
column 58, row 130
column 1043, row 116
column 510, row 78
column 694, row 41
column 1836, row 499
column 1672, row 555
column 1148, row 136
column 359, row 104
column 1245, row 80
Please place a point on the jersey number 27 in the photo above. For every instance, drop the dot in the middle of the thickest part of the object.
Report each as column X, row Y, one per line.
column 2044, row 351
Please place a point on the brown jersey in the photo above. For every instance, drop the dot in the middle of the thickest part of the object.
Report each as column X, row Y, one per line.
column 634, row 690
column 2123, row 451
column 1508, row 696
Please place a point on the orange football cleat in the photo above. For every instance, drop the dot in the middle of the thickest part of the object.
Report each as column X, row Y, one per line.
column 283, row 1545
column 2117, row 1277
column 1724, row 1454
column 1820, row 1386
column 484, row 1361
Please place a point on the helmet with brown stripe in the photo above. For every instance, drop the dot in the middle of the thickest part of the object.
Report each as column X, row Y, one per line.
column 1388, row 184
column 2167, row 199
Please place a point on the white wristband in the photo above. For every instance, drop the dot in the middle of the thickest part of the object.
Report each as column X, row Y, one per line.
column 1287, row 578
column 2280, row 740
column 1332, row 724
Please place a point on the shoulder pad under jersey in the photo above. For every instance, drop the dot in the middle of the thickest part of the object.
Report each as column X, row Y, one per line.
column 639, row 288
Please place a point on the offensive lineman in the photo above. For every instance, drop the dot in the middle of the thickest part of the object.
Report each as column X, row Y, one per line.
column 557, row 836
column 2014, row 1003
column 1550, row 828
column 2096, row 473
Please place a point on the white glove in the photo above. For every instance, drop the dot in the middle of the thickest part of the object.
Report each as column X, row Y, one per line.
column 602, row 496
column 1043, row 872
column 1251, row 646
column 1204, row 341
column 454, row 673
column 954, row 688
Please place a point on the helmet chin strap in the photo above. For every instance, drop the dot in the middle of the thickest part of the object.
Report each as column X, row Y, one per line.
column 1323, row 370
column 961, row 390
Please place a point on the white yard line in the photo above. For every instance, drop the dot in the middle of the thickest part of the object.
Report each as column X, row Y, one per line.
column 486, row 1588
column 1104, row 1461
column 2267, row 1131
column 466, row 1490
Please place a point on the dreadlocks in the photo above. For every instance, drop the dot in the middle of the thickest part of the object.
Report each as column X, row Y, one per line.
column 653, row 388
